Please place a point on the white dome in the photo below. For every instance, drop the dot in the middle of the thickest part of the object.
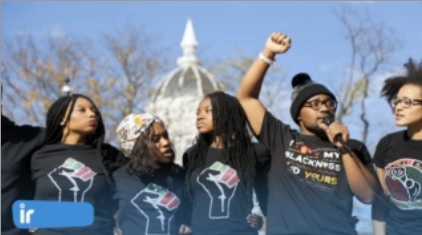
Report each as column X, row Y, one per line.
column 189, row 78
column 177, row 96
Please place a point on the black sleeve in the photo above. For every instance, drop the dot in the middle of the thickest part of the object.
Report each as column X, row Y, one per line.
column 113, row 158
column 263, row 156
column 379, row 156
column 273, row 132
column 380, row 206
column 184, row 212
column 362, row 153
column 186, row 157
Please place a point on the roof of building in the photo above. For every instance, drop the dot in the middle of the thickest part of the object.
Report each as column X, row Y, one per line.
column 189, row 78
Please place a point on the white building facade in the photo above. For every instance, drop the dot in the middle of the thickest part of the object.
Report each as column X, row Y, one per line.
column 179, row 93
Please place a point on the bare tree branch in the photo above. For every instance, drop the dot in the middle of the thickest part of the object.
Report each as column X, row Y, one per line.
column 372, row 45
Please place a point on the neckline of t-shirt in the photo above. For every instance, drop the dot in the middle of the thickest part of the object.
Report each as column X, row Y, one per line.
column 70, row 146
column 310, row 136
column 216, row 149
column 410, row 140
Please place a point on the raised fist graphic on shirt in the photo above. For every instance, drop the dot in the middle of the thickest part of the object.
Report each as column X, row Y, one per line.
column 220, row 183
column 158, row 205
column 72, row 179
column 403, row 185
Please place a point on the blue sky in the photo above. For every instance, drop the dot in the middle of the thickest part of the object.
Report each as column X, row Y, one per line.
column 222, row 28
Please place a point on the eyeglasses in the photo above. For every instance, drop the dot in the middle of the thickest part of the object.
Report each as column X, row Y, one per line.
column 317, row 104
column 405, row 102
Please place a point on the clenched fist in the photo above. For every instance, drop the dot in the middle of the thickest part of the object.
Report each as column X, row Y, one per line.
column 278, row 43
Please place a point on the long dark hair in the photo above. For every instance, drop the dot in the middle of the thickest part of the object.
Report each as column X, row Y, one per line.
column 393, row 84
column 142, row 159
column 230, row 124
column 58, row 116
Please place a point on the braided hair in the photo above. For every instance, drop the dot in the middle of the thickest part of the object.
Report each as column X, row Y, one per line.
column 58, row 115
column 229, row 123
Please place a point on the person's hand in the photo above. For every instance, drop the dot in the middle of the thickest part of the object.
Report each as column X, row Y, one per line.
column 255, row 221
column 278, row 43
column 335, row 129
column 184, row 229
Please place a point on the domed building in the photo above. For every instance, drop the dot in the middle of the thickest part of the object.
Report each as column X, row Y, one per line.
column 177, row 96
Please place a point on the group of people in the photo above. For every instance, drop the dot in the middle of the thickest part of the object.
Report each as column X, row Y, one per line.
column 305, row 180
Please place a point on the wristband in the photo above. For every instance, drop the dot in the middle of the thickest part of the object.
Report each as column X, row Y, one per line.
column 342, row 151
column 265, row 59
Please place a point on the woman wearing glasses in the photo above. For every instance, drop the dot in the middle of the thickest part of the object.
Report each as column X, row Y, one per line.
column 398, row 158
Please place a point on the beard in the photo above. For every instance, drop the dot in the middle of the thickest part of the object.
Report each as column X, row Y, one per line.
column 318, row 132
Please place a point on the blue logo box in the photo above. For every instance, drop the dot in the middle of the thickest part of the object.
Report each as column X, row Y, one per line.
column 52, row 214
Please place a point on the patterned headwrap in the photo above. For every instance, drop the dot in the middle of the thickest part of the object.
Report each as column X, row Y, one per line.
column 131, row 127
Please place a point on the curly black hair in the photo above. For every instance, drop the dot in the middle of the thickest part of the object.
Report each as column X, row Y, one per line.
column 142, row 159
column 393, row 84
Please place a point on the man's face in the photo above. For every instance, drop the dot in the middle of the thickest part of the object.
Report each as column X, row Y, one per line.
column 313, row 112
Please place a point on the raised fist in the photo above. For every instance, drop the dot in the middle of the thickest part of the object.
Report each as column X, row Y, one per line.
column 72, row 179
column 158, row 205
column 220, row 183
column 278, row 43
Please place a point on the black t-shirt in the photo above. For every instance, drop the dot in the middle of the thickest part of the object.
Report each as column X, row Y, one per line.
column 401, row 158
column 17, row 146
column 262, row 167
column 151, row 204
column 219, row 204
column 74, row 173
column 308, row 189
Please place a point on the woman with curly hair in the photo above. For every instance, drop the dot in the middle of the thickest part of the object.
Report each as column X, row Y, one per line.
column 150, row 186
column 398, row 158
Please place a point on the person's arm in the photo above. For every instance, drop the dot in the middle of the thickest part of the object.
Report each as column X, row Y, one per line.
column 378, row 227
column 379, row 206
column 379, row 210
column 361, row 181
column 250, row 86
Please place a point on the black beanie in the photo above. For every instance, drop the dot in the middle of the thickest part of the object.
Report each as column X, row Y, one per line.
column 303, row 89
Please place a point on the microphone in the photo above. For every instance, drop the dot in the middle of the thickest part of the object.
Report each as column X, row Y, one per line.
column 338, row 138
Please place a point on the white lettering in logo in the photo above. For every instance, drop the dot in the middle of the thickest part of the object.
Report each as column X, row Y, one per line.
column 25, row 215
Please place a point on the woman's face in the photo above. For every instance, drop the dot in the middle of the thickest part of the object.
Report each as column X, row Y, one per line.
column 412, row 114
column 84, row 118
column 162, row 142
column 204, row 121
